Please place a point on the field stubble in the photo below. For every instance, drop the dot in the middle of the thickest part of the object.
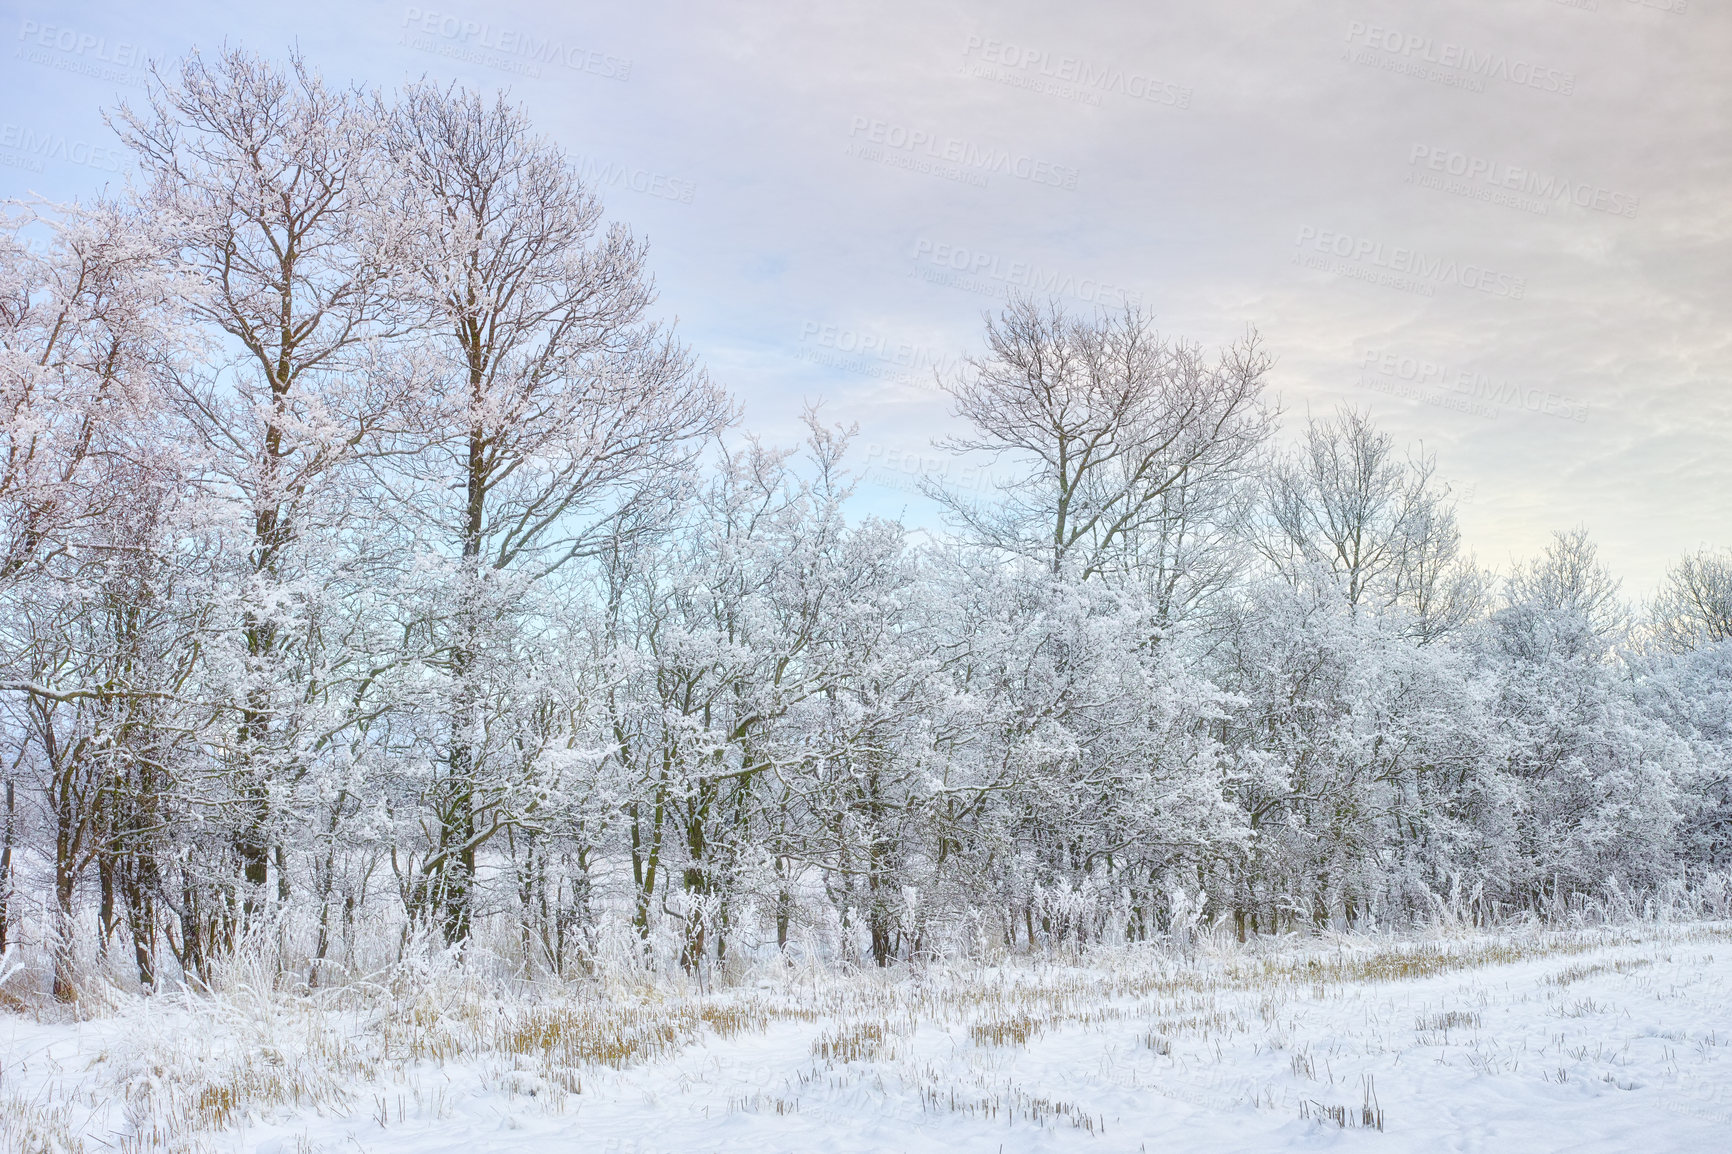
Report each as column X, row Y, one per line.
column 1284, row 1037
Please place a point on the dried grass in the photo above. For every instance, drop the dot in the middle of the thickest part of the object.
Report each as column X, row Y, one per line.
column 251, row 1050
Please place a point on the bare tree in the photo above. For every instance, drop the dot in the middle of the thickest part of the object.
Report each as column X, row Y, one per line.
column 1564, row 603
column 108, row 651
column 266, row 185
column 1109, row 422
column 85, row 476
column 560, row 410
column 80, row 330
column 1381, row 525
column 1694, row 605
column 1439, row 586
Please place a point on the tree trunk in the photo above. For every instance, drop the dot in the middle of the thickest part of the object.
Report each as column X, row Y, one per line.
column 697, row 877
column 64, row 881
column 136, row 880
column 7, row 827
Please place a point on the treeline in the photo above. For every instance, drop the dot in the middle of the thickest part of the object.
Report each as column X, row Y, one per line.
column 373, row 564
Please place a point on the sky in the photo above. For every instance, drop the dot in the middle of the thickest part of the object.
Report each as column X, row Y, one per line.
column 1502, row 226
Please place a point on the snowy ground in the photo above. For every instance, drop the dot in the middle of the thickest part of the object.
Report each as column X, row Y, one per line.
column 1600, row 1040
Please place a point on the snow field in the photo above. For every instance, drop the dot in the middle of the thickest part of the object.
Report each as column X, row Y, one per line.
column 1608, row 1040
